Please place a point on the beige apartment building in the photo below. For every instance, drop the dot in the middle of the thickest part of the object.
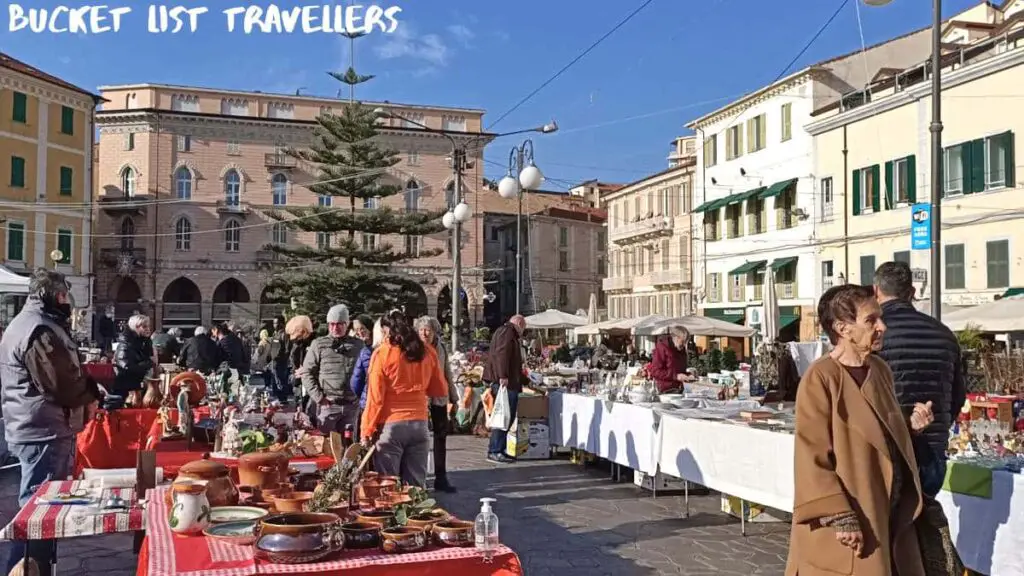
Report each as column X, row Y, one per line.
column 681, row 149
column 650, row 245
column 869, row 191
column 185, row 173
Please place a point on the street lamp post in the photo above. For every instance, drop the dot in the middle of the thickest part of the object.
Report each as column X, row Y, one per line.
column 935, row 275
column 520, row 164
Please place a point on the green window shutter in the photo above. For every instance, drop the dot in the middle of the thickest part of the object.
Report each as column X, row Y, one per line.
column 67, row 120
column 876, row 196
column 66, row 179
column 977, row 165
column 912, row 178
column 1009, row 158
column 17, row 172
column 64, row 245
column 856, row 192
column 20, row 112
column 889, row 186
column 15, row 241
column 965, row 166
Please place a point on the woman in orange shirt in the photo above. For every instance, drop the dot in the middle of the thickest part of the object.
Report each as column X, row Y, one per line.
column 404, row 373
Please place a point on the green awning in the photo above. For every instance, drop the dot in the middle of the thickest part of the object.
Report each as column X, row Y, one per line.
column 1013, row 292
column 778, row 188
column 780, row 263
column 787, row 319
column 734, row 315
column 748, row 267
column 709, row 205
column 744, row 196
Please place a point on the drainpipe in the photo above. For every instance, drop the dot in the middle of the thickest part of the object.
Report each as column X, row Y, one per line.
column 846, row 207
column 704, row 239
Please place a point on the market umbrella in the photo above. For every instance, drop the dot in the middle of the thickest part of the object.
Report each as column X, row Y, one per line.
column 1005, row 315
column 11, row 283
column 619, row 325
column 770, row 314
column 592, row 309
column 554, row 320
column 696, row 326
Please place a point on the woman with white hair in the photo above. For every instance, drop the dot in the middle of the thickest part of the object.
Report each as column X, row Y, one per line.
column 134, row 357
column 669, row 363
column 429, row 330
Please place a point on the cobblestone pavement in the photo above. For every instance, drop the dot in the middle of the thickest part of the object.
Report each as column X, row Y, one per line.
column 560, row 518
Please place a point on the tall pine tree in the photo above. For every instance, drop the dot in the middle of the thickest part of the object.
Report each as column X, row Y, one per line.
column 345, row 266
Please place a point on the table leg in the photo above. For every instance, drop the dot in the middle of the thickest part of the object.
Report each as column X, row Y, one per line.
column 743, row 517
column 686, row 497
column 137, row 541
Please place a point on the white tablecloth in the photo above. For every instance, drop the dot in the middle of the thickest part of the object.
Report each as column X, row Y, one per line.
column 755, row 465
column 989, row 533
column 619, row 432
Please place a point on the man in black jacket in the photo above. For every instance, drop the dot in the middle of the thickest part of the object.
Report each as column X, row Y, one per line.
column 199, row 353
column 922, row 353
column 232, row 351
column 504, row 370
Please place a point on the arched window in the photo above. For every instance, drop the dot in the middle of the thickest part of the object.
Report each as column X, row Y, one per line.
column 183, row 183
column 325, row 201
column 183, row 234
column 232, row 188
column 412, row 196
column 128, row 182
column 279, row 233
column 127, row 234
column 232, row 236
column 279, row 188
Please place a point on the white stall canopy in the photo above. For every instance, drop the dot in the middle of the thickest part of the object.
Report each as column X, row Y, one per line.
column 696, row 326
column 554, row 320
column 619, row 326
column 11, row 283
column 1006, row 315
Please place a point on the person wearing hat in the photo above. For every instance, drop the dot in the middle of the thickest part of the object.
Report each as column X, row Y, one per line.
column 327, row 372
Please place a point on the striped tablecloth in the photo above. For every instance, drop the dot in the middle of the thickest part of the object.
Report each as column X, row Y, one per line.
column 41, row 521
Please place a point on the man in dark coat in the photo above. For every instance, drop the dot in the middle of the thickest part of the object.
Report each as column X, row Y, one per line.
column 232, row 351
column 924, row 357
column 134, row 356
column 200, row 353
column 504, row 369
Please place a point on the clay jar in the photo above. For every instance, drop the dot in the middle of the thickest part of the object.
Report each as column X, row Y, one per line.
column 220, row 490
column 373, row 489
column 263, row 469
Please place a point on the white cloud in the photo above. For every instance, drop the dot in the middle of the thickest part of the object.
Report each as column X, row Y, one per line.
column 462, row 33
column 404, row 43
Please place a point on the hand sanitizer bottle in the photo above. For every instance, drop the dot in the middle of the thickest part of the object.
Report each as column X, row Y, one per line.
column 486, row 530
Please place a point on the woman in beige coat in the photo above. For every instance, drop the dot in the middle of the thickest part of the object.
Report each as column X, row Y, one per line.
column 857, row 492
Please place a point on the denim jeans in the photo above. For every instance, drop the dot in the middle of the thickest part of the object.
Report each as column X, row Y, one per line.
column 283, row 386
column 499, row 437
column 40, row 462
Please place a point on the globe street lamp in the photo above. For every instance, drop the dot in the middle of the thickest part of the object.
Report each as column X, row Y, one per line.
column 522, row 175
column 935, row 201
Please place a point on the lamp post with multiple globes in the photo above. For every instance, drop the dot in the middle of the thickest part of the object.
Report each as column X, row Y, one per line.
column 522, row 175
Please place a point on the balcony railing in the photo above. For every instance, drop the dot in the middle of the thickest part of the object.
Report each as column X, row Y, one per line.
column 119, row 205
column 648, row 228
column 226, row 208
column 827, row 283
column 618, row 283
column 670, row 277
column 785, row 289
column 280, row 160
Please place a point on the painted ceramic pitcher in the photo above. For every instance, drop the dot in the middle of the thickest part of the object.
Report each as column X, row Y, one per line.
column 190, row 509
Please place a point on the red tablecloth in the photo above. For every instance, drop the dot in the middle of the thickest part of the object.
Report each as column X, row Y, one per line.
column 41, row 521
column 165, row 554
column 171, row 455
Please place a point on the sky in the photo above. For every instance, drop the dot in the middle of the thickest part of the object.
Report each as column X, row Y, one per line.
column 618, row 109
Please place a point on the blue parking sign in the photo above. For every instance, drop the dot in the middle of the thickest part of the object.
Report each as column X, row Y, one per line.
column 921, row 227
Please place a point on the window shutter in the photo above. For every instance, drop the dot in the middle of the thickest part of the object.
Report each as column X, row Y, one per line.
column 856, row 192
column 64, row 245
column 67, row 120
column 1009, row 158
column 66, row 181
column 750, row 135
column 17, row 172
column 876, row 197
column 977, row 166
column 889, row 186
column 912, row 178
column 762, row 130
column 739, row 143
column 965, row 167
column 20, row 112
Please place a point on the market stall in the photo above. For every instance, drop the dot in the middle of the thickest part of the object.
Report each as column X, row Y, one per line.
column 618, row 432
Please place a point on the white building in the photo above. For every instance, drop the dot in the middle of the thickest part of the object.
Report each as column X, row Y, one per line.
column 757, row 202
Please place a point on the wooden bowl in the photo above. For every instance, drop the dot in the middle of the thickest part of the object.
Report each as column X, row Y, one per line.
column 293, row 502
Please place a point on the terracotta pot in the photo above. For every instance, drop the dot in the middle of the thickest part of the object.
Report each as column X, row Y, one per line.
column 220, row 490
column 341, row 510
column 361, row 535
column 427, row 519
column 402, row 539
column 395, row 480
column 197, row 386
column 380, row 518
column 294, row 502
column 453, row 533
column 263, row 469
column 153, row 397
column 375, row 488
column 383, row 503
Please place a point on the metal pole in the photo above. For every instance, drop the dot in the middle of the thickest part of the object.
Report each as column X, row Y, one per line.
column 456, row 249
column 937, row 181
column 519, row 250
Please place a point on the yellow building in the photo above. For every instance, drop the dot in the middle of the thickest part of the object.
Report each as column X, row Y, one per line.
column 46, row 137
column 872, row 162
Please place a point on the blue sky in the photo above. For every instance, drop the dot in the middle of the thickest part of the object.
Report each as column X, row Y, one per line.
column 618, row 109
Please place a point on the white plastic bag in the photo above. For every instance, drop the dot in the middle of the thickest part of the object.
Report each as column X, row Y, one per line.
column 500, row 418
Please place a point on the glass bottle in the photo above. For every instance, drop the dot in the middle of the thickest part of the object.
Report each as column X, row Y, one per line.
column 486, row 530
column 347, row 438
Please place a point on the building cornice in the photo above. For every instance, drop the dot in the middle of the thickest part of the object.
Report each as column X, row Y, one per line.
column 13, row 80
column 916, row 92
column 662, row 177
column 751, row 100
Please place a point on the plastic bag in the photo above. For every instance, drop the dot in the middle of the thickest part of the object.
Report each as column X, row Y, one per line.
column 501, row 417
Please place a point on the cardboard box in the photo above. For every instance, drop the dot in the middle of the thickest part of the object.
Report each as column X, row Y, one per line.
column 528, row 440
column 752, row 512
column 657, row 481
column 532, row 407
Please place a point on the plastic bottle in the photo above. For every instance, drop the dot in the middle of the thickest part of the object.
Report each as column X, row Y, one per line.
column 486, row 530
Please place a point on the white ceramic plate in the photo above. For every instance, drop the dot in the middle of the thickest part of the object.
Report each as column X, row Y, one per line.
column 221, row 514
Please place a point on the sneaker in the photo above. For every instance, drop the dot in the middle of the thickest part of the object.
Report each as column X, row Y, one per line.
column 496, row 458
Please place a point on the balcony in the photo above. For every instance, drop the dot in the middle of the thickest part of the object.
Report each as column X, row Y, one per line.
column 124, row 260
column 267, row 257
column 279, row 160
column 117, row 205
column 785, row 290
column 670, row 277
column 643, row 230
column 225, row 208
column 615, row 284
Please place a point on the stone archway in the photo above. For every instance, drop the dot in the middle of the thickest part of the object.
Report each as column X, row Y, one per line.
column 271, row 307
column 232, row 302
column 182, row 303
column 126, row 296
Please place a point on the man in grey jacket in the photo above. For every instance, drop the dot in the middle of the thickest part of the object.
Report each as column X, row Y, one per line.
column 47, row 397
column 327, row 371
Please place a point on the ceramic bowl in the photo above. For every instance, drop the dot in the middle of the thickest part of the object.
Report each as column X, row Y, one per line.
column 343, row 511
column 402, row 539
column 294, row 502
column 361, row 535
column 381, row 518
column 299, row 537
column 453, row 533
column 427, row 519
column 383, row 503
column 242, row 533
column 221, row 514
